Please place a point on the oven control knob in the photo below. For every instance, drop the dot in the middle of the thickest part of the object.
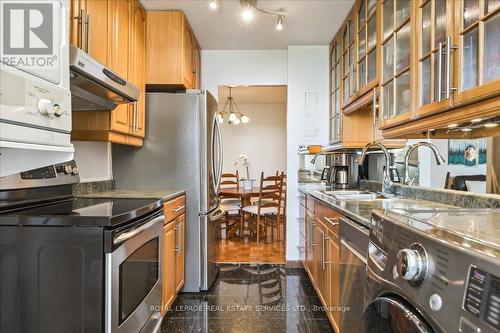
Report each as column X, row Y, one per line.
column 412, row 264
column 68, row 169
column 74, row 171
column 47, row 107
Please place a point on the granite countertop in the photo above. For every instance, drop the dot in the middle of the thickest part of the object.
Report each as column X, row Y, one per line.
column 360, row 210
column 165, row 195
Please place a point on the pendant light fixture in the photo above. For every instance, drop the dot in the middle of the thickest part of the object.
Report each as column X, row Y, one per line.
column 230, row 109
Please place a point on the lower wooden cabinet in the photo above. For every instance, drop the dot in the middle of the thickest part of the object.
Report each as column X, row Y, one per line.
column 322, row 255
column 168, row 266
column 180, row 227
column 174, row 248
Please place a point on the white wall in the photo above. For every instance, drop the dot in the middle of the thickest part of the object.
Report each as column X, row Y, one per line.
column 93, row 160
column 263, row 140
column 242, row 67
column 307, row 72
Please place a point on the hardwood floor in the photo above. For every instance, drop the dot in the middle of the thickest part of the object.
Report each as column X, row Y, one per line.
column 236, row 250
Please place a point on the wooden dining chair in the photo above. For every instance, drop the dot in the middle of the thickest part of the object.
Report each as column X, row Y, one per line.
column 230, row 204
column 268, row 205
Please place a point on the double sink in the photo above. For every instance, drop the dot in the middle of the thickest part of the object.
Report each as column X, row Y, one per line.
column 359, row 200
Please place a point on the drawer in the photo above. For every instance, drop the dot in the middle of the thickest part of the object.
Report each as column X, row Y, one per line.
column 328, row 216
column 174, row 208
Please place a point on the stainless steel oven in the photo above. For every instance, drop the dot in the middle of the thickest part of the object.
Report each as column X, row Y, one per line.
column 133, row 277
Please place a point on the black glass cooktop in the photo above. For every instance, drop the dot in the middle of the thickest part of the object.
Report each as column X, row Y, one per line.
column 82, row 212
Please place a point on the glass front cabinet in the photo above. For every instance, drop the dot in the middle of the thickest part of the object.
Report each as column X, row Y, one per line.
column 434, row 43
column 366, row 62
column 396, row 55
column 335, row 110
column 477, row 54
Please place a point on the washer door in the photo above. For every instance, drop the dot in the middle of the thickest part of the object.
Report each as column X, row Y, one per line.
column 389, row 315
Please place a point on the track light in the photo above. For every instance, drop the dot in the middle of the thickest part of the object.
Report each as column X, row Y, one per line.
column 279, row 25
column 247, row 14
column 213, row 4
column 244, row 119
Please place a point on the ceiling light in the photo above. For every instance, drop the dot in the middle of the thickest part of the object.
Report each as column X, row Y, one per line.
column 213, row 4
column 247, row 14
column 466, row 129
column 452, row 125
column 477, row 120
column 231, row 110
column 490, row 125
column 279, row 25
column 232, row 117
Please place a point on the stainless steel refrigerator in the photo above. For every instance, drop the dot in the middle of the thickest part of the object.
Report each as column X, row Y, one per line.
column 182, row 150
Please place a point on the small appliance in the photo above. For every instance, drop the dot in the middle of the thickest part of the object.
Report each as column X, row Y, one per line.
column 343, row 170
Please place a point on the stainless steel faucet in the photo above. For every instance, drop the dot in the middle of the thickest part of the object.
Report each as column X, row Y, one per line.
column 439, row 159
column 387, row 182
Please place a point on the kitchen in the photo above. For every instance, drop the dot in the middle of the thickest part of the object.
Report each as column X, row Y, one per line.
column 112, row 156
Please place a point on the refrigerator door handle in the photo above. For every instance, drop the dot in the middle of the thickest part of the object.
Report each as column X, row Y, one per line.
column 221, row 153
column 214, row 167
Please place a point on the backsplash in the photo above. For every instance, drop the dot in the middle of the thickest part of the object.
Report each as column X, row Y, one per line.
column 92, row 187
column 449, row 197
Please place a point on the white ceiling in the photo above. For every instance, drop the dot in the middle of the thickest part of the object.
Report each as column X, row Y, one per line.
column 306, row 22
column 254, row 94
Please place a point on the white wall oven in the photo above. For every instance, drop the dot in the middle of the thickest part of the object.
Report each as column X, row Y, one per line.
column 35, row 101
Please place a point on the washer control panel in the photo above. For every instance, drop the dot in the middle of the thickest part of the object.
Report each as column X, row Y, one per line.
column 482, row 296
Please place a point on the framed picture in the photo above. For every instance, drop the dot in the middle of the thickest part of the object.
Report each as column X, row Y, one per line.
column 467, row 152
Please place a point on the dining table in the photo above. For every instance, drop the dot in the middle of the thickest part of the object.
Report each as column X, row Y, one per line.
column 243, row 194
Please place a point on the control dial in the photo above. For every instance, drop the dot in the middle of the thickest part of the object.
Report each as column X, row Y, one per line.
column 412, row 264
column 49, row 108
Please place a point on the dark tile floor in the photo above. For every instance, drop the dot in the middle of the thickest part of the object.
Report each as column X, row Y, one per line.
column 250, row 298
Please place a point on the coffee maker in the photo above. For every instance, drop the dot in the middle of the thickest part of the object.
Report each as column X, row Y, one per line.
column 344, row 170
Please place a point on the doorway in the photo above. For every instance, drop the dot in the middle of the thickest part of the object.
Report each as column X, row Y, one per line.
column 253, row 123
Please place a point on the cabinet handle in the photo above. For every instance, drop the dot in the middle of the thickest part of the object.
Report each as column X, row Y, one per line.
column 440, row 70
column 178, row 208
column 449, row 89
column 179, row 240
column 81, row 19
column 136, row 116
column 88, row 33
column 375, row 95
column 330, row 220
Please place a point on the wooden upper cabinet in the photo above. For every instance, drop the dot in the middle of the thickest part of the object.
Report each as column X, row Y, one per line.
column 477, row 57
column 137, row 65
column 93, row 38
column 367, row 46
column 118, row 57
column 171, row 46
column 394, row 65
column 117, row 31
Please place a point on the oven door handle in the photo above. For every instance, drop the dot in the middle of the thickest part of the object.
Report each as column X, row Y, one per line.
column 129, row 234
